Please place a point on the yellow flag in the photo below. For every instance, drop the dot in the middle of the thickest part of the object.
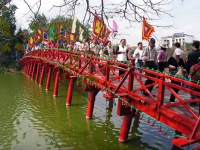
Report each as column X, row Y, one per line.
column 31, row 40
column 39, row 32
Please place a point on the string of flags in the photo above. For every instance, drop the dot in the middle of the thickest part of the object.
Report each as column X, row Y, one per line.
column 100, row 31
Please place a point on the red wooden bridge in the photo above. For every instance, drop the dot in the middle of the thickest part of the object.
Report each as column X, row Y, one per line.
column 94, row 74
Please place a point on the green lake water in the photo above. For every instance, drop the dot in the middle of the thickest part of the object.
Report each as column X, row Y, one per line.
column 32, row 119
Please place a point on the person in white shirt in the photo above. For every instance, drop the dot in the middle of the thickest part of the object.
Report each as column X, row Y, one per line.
column 138, row 57
column 121, row 52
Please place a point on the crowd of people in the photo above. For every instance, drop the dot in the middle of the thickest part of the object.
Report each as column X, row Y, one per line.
column 148, row 57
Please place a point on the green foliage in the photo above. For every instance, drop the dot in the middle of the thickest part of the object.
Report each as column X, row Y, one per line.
column 19, row 46
column 6, row 47
column 38, row 22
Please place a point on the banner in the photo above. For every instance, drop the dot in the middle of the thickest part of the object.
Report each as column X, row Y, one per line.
column 100, row 31
column 71, row 37
column 74, row 24
column 51, row 34
column 45, row 37
column 80, row 34
column 115, row 28
column 147, row 30
column 62, row 32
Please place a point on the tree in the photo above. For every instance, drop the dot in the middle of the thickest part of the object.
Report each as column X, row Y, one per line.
column 133, row 11
column 38, row 22
column 7, row 27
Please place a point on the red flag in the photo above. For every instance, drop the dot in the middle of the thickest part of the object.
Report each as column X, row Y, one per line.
column 147, row 30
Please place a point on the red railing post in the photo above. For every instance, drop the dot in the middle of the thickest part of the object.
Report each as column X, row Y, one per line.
column 161, row 92
column 56, row 83
column 91, row 66
column 107, row 73
column 49, row 78
column 91, row 100
column 130, row 80
column 72, row 79
column 37, row 73
column 42, row 75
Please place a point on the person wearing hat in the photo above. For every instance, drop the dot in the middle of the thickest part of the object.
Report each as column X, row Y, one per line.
column 174, row 62
column 193, row 56
column 162, row 57
column 149, row 56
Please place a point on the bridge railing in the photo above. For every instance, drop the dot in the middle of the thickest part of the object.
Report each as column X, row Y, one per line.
column 105, row 72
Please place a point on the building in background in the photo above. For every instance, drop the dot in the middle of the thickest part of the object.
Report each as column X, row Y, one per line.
column 177, row 37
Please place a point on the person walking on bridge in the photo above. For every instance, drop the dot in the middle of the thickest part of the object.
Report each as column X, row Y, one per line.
column 138, row 57
column 121, row 52
column 193, row 56
column 174, row 63
column 149, row 56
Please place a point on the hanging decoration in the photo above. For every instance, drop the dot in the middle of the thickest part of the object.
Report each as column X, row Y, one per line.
column 100, row 31
column 147, row 30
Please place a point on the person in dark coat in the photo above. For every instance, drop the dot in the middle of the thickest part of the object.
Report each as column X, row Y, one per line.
column 193, row 56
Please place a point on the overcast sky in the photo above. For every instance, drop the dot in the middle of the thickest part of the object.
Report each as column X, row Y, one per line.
column 186, row 19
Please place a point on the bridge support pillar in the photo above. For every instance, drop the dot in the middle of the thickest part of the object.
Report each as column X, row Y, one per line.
column 42, row 75
column 91, row 100
column 125, row 127
column 29, row 69
column 33, row 72
column 37, row 73
column 49, row 78
column 56, row 83
column 72, row 79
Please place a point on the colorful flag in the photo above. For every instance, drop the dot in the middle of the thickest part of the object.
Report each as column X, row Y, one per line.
column 147, row 30
column 100, row 31
column 39, row 32
column 45, row 37
column 115, row 28
column 80, row 34
column 31, row 40
column 36, row 38
column 74, row 24
column 51, row 34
